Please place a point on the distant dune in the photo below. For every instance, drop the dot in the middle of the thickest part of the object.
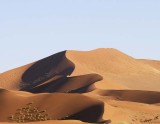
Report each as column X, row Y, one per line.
column 98, row 86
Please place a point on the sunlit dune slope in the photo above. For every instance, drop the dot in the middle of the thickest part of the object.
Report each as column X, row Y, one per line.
column 153, row 63
column 119, row 70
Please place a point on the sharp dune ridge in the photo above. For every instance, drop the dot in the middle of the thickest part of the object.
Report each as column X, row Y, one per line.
column 98, row 86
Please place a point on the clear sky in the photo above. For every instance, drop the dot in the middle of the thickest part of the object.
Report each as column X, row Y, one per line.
column 33, row 29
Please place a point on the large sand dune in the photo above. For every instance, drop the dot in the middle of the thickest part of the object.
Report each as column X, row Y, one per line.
column 119, row 70
column 102, row 85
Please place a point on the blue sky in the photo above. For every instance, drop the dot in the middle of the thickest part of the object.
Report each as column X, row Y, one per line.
column 33, row 29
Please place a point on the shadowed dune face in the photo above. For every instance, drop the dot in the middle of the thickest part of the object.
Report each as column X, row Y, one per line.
column 50, row 75
column 86, row 116
column 49, row 67
column 66, row 84
column 148, row 97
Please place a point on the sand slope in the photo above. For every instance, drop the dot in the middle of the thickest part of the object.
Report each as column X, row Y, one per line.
column 79, row 107
column 85, row 86
column 119, row 70
column 154, row 63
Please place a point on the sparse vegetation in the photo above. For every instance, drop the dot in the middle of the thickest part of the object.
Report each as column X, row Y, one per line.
column 29, row 113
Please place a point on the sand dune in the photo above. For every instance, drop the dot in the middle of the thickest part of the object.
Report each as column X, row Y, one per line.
column 79, row 107
column 84, row 87
column 119, row 70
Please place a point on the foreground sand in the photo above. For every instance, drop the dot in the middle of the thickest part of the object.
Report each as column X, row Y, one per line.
column 99, row 86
